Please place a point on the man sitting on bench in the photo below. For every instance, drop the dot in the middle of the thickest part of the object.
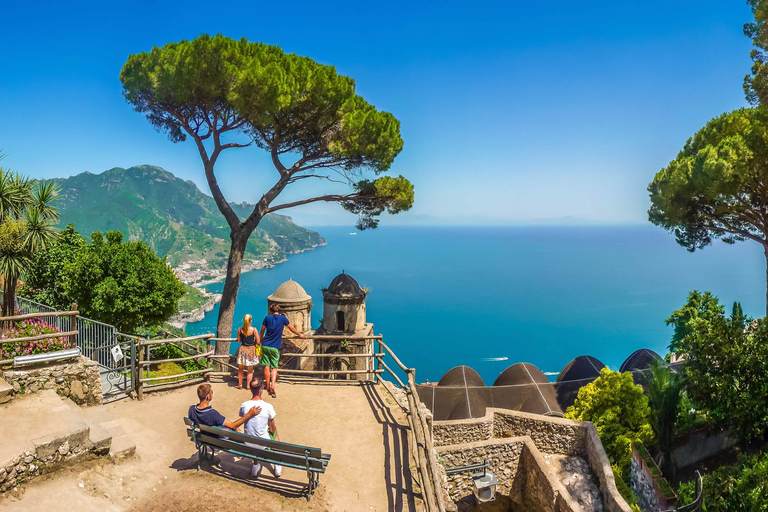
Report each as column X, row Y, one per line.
column 204, row 414
column 261, row 425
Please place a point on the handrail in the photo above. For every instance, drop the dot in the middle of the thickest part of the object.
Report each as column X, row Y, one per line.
column 429, row 470
column 146, row 343
column 38, row 315
column 318, row 337
column 389, row 351
column 384, row 365
column 167, row 377
column 40, row 337
column 176, row 360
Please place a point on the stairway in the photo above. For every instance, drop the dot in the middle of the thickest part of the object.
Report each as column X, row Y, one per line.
column 44, row 431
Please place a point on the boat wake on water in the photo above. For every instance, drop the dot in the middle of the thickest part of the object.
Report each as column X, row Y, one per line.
column 494, row 358
column 551, row 373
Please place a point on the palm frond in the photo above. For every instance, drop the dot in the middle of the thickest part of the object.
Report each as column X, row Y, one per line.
column 46, row 195
column 40, row 231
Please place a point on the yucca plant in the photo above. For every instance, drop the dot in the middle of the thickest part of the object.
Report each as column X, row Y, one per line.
column 27, row 218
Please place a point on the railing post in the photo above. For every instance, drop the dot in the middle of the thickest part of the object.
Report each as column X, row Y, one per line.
column 73, row 326
column 208, row 363
column 377, row 376
column 139, row 370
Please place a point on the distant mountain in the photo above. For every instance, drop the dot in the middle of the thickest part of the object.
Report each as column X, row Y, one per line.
column 173, row 216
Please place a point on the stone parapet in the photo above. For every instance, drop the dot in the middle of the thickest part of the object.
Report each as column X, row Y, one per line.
column 78, row 380
column 522, row 473
column 453, row 432
column 546, row 435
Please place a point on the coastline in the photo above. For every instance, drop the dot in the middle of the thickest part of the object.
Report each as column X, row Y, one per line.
column 201, row 278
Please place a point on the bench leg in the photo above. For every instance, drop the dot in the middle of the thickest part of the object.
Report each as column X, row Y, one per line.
column 313, row 482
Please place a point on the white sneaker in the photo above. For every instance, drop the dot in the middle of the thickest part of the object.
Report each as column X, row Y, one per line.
column 278, row 471
column 256, row 470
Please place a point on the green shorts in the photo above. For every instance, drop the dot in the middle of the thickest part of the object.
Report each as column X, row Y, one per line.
column 270, row 356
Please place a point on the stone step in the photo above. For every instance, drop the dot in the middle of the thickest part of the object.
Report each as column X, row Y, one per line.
column 121, row 444
column 6, row 391
column 45, row 433
column 122, row 447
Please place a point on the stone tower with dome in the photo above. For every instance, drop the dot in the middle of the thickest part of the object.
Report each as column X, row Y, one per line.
column 296, row 304
column 343, row 318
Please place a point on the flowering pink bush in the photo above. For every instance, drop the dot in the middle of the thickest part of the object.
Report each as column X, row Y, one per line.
column 28, row 328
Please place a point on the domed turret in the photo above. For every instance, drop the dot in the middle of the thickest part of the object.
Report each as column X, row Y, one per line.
column 344, row 285
column 294, row 303
column 289, row 292
column 343, row 305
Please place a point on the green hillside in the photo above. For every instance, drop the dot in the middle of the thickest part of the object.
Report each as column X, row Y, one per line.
column 172, row 215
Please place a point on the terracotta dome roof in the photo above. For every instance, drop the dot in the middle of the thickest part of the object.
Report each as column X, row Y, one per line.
column 289, row 291
column 344, row 284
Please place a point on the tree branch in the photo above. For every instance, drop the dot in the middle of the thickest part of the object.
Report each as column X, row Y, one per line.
column 330, row 198
column 304, row 176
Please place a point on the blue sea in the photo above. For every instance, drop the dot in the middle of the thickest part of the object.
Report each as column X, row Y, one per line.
column 489, row 297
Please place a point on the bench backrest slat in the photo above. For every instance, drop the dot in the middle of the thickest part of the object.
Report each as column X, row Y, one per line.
column 267, row 443
column 191, row 433
column 277, row 457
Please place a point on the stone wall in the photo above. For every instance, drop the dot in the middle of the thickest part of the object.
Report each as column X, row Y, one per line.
column 77, row 379
column 503, row 454
column 451, row 432
column 546, row 434
column 700, row 445
column 641, row 483
column 49, row 454
column 517, row 464
column 550, row 434
column 601, row 466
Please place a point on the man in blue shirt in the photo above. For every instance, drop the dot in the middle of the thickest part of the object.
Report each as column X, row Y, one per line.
column 204, row 414
column 271, row 343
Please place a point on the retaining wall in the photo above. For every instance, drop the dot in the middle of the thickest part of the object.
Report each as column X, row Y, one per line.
column 77, row 379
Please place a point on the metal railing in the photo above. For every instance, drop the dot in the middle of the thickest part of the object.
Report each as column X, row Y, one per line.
column 94, row 338
column 698, row 502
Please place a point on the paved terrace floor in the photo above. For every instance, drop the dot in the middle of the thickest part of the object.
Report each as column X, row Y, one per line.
column 358, row 424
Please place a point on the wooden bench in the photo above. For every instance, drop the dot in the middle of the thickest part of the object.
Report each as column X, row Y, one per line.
column 207, row 439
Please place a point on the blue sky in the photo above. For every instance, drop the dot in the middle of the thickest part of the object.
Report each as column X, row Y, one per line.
column 510, row 111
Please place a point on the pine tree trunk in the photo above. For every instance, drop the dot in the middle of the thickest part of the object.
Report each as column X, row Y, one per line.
column 231, row 287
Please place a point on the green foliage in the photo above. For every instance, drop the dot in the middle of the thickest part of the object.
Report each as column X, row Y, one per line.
column 192, row 299
column 620, row 412
column 124, row 284
column 742, row 486
column 664, row 395
column 120, row 283
column 715, row 186
column 699, row 305
column 688, row 417
column 168, row 351
column 286, row 104
column 727, row 370
column 48, row 279
column 27, row 216
column 386, row 193
column 624, row 489
column 756, row 83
